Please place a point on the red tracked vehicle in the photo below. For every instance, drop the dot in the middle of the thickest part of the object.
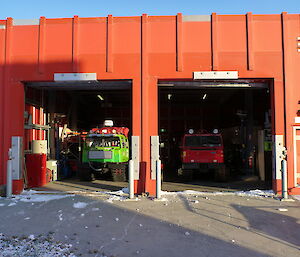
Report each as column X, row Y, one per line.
column 202, row 152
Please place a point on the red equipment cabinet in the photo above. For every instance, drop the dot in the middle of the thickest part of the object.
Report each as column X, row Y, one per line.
column 36, row 170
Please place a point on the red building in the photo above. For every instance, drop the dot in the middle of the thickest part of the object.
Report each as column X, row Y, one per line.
column 158, row 56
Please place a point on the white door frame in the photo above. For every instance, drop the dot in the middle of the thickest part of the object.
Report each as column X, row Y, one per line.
column 295, row 138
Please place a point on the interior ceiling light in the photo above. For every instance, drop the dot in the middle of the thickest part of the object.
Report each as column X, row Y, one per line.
column 165, row 85
column 100, row 97
column 229, row 85
column 204, row 96
column 169, row 96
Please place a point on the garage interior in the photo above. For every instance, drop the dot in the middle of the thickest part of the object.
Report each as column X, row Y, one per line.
column 57, row 113
column 239, row 110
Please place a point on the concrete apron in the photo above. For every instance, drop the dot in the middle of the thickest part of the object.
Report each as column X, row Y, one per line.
column 179, row 225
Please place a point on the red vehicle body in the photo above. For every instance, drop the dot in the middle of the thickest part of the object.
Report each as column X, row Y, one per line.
column 202, row 152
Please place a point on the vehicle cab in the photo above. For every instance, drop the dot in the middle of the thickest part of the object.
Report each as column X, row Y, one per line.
column 202, row 151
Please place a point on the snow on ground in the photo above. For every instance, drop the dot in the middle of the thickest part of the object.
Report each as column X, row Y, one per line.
column 251, row 193
column 296, row 197
column 122, row 195
column 39, row 196
column 33, row 196
column 79, row 205
column 33, row 246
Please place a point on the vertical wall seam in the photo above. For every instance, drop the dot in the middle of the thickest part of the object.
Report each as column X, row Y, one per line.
column 41, row 45
column 214, row 42
column 249, row 36
column 75, row 28
column 179, row 60
column 109, row 43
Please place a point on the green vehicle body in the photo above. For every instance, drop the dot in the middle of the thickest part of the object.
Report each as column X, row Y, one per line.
column 104, row 150
column 105, row 155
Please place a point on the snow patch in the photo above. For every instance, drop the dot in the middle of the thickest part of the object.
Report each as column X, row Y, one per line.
column 282, row 209
column 42, row 198
column 31, row 237
column 256, row 193
column 297, row 197
column 79, row 205
column 116, row 198
column 37, row 196
column 251, row 193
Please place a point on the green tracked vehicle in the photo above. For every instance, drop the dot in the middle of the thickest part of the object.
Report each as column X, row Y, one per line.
column 105, row 152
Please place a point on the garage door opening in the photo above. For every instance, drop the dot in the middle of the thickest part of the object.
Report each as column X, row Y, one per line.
column 59, row 119
column 206, row 125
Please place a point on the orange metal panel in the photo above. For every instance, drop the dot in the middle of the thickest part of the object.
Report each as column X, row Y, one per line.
column 58, row 45
column 161, row 53
column 91, row 45
column 196, row 46
column 230, row 47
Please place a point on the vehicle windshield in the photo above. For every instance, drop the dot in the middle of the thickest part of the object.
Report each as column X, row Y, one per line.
column 103, row 141
column 203, row 141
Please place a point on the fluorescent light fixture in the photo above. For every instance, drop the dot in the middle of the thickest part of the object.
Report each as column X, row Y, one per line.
column 100, row 97
column 204, row 96
column 236, row 85
column 166, row 85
